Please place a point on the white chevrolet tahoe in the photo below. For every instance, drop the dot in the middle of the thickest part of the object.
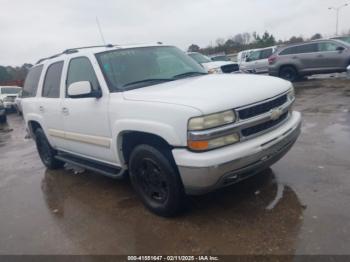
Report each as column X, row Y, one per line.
column 153, row 113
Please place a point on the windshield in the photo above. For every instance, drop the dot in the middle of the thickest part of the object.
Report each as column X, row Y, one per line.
column 132, row 68
column 10, row 90
column 200, row 58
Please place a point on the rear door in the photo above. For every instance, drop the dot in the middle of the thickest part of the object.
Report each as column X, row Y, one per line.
column 262, row 64
column 329, row 57
column 307, row 54
column 49, row 105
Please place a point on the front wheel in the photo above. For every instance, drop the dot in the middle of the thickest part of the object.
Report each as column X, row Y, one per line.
column 289, row 73
column 156, row 180
column 46, row 152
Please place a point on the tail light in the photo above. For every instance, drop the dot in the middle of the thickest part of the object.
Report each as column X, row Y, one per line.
column 272, row 59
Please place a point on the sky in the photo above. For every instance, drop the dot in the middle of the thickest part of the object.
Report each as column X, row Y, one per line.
column 33, row 29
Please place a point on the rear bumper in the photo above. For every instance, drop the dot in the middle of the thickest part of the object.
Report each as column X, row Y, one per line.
column 205, row 172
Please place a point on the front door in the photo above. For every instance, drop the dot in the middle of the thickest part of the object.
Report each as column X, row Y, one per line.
column 329, row 57
column 86, row 121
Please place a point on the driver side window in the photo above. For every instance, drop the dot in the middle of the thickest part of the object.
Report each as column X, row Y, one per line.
column 80, row 69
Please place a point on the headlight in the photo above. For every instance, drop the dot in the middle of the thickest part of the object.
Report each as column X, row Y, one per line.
column 1, row 103
column 291, row 94
column 201, row 137
column 210, row 121
column 215, row 71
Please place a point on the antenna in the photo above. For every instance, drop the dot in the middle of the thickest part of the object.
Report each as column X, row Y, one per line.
column 100, row 30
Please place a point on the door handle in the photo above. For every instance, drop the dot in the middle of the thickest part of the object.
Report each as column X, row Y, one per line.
column 295, row 57
column 65, row 111
column 41, row 109
column 320, row 56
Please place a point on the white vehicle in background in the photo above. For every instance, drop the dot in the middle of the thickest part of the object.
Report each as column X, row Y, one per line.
column 8, row 94
column 153, row 112
column 257, row 61
column 214, row 67
column 18, row 104
column 241, row 56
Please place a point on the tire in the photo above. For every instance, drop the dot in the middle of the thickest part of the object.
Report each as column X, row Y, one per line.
column 156, row 181
column 46, row 152
column 289, row 73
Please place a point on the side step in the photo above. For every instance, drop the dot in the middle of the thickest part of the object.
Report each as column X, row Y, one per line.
column 98, row 167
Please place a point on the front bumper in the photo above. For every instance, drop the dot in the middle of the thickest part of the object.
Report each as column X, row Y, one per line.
column 205, row 172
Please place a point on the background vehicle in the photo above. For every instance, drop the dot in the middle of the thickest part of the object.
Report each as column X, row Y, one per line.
column 257, row 60
column 175, row 128
column 343, row 38
column 214, row 67
column 315, row 57
column 220, row 57
column 18, row 103
column 241, row 56
column 2, row 112
column 8, row 95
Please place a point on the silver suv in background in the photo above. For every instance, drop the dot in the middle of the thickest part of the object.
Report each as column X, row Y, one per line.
column 315, row 57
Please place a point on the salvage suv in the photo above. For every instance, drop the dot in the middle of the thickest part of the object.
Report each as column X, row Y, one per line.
column 152, row 112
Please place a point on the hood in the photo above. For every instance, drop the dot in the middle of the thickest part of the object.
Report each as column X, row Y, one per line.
column 212, row 93
column 216, row 64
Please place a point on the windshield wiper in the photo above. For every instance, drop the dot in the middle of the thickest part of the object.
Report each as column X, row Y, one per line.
column 151, row 80
column 187, row 74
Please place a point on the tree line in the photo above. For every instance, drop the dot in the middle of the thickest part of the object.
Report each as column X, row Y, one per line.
column 244, row 41
column 18, row 73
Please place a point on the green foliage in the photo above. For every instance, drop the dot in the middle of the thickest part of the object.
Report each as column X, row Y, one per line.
column 14, row 73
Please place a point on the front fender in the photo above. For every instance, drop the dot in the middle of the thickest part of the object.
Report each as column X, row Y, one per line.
column 165, row 131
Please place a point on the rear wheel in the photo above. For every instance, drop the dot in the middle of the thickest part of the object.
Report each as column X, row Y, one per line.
column 156, row 181
column 289, row 73
column 46, row 152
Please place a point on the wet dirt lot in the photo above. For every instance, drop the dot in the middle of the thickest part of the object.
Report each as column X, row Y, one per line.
column 299, row 206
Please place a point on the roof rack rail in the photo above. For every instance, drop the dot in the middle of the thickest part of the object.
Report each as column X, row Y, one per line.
column 72, row 51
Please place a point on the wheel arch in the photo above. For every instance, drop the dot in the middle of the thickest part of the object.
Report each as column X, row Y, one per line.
column 129, row 139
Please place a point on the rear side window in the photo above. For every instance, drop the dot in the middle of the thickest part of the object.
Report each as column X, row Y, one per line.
column 301, row 49
column 80, row 69
column 32, row 82
column 266, row 53
column 52, row 81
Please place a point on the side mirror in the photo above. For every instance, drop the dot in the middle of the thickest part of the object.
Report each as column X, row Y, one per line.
column 340, row 48
column 82, row 89
column 248, row 59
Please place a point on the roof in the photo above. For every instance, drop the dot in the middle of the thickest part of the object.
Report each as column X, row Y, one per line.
column 95, row 49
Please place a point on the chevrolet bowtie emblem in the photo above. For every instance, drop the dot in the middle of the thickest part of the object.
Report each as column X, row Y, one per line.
column 276, row 114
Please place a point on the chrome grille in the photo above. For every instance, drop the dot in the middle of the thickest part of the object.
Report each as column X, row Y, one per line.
column 264, row 126
column 261, row 108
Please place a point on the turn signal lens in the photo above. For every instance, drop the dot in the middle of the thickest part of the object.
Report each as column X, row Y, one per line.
column 213, row 143
column 198, row 145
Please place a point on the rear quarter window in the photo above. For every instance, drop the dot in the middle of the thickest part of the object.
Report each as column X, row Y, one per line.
column 32, row 81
